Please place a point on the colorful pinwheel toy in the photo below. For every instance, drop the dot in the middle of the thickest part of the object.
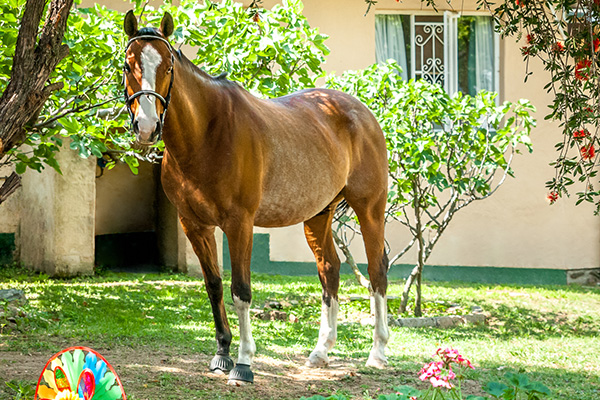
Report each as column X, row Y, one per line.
column 79, row 373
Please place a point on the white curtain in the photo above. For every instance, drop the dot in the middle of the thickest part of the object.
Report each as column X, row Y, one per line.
column 481, row 56
column 389, row 41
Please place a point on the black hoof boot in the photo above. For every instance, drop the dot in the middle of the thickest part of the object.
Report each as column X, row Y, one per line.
column 241, row 374
column 221, row 363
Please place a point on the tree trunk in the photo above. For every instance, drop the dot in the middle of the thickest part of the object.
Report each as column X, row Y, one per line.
column 364, row 282
column 33, row 62
column 417, row 272
column 421, row 250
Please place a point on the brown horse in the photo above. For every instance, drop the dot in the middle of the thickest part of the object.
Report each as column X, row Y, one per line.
column 235, row 161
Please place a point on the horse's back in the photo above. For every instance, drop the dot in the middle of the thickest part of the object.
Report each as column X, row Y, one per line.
column 315, row 142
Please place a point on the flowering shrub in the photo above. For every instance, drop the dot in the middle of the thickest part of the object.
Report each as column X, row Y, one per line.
column 565, row 36
column 445, row 383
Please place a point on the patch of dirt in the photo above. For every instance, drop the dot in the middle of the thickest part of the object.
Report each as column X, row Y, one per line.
column 150, row 375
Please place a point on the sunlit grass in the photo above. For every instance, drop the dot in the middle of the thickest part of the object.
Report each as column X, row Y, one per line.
column 551, row 333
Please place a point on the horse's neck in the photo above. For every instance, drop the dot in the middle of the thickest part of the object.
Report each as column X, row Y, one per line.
column 191, row 110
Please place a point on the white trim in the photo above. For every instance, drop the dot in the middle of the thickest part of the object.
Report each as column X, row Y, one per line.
column 413, row 57
column 497, row 66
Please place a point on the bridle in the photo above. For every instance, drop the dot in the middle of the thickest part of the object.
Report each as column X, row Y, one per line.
column 164, row 100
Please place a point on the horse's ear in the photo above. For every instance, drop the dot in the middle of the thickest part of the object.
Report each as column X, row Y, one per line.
column 166, row 25
column 130, row 24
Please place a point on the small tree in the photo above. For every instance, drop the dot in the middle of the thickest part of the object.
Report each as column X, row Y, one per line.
column 445, row 152
column 565, row 36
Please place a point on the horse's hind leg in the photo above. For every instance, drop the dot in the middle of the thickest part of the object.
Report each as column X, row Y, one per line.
column 319, row 237
column 205, row 247
column 370, row 210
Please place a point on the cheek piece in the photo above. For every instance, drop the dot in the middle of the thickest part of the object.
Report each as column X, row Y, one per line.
column 164, row 100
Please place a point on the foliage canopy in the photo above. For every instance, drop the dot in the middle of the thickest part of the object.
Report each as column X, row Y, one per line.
column 270, row 52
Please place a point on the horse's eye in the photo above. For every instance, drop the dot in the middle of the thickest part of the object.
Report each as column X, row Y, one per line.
column 170, row 69
column 126, row 68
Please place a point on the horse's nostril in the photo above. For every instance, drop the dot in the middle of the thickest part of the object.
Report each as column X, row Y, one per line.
column 157, row 132
column 136, row 127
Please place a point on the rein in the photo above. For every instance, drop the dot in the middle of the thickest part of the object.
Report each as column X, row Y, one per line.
column 164, row 100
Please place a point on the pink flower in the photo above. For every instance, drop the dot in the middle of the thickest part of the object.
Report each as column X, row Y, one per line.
column 449, row 356
column 442, row 381
column 434, row 368
column 437, row 374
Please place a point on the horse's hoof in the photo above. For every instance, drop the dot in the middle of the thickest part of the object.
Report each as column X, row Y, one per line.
column 221, row 364
column 240, row 375
column 316, row 360
column 377, row 362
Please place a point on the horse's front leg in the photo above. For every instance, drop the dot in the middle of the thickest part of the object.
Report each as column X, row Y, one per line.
column 239, row 235
column 205, row 247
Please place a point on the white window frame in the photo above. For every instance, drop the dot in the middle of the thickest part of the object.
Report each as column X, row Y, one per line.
column 450, row 23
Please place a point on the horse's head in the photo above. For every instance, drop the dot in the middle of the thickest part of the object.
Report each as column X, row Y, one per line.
column 148, row 77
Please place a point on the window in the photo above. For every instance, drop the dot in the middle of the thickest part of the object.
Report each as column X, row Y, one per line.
column 458, row 52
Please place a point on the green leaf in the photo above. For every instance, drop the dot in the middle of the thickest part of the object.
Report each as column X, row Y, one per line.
column 537, row 387
column 496, row 389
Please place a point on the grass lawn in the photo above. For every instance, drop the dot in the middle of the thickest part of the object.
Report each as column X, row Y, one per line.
column 158, row 333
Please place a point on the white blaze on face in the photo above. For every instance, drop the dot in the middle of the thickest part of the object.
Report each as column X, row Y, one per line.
column 147, row 116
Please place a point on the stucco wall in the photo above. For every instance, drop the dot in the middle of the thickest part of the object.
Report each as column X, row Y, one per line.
column 56, row 232
column 513, row 228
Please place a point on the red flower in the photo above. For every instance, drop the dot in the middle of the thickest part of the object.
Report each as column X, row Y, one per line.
column 558, row 47
column 530, row 38
column 580, row 134
column 520, row 3
column 587, row 152
column 525, row 50
column 582, row 70
column 552, row 197
column 596, row 45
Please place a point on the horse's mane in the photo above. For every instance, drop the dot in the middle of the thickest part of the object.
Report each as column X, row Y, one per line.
column 221, row 78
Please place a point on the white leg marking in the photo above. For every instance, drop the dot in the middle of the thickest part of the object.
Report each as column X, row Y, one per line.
column 247, row 346
column 381, row 334
column 147, row 117
column 327, row 335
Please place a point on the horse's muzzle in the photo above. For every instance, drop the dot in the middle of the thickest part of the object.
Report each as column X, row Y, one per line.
column 150, row 140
